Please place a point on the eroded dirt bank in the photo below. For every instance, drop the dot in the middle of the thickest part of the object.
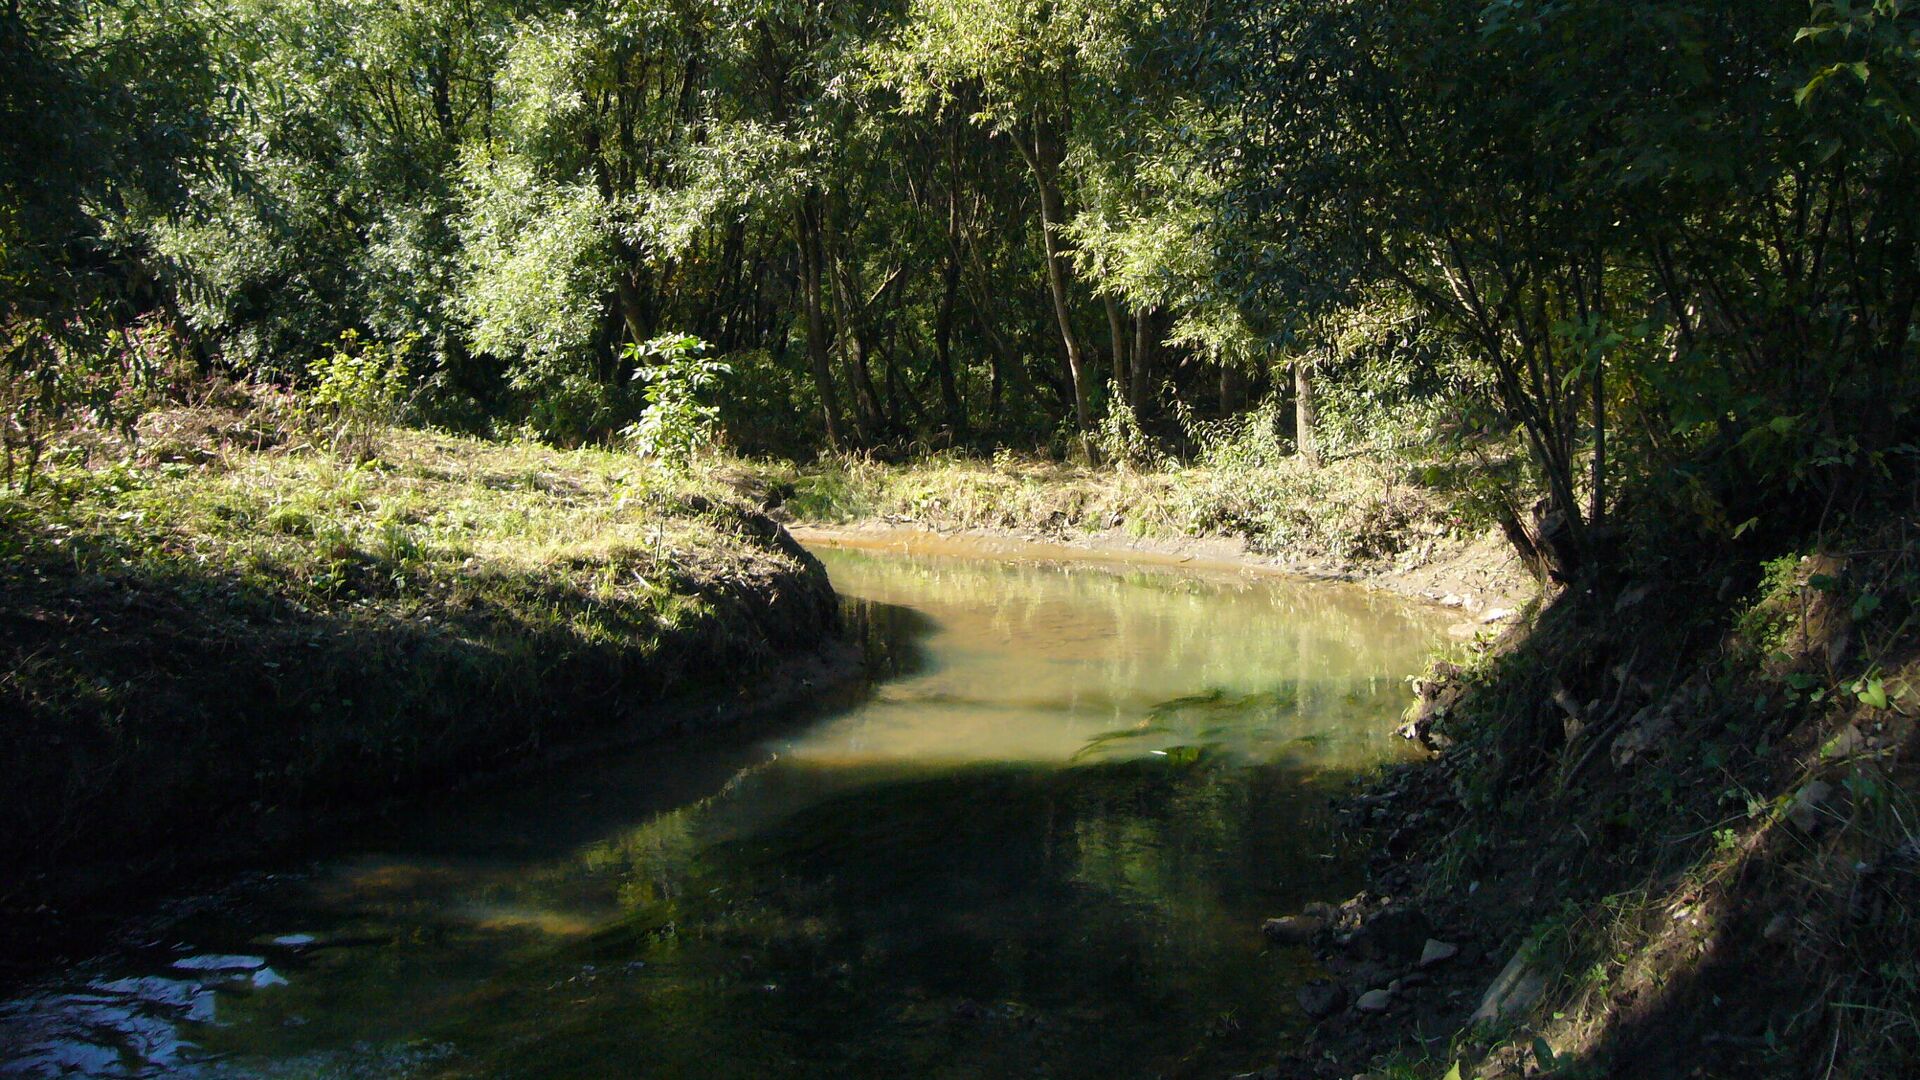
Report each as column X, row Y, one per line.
column 211, row 663
column 1666, row 829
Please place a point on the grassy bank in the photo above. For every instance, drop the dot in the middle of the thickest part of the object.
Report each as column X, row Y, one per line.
column 207, row 654
column 1356, row 511
column 1374, row 517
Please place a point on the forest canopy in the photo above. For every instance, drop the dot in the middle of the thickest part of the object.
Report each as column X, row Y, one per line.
column 1666, row 249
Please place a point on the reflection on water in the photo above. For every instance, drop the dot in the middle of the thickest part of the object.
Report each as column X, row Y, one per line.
column 1039, row 845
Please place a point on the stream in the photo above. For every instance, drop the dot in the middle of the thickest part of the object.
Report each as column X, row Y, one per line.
column 1039, row 842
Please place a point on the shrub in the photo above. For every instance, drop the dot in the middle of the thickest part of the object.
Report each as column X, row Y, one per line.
column 359, row 388
column 681, row 419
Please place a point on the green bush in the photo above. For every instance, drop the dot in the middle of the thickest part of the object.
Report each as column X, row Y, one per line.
column 681, row 418
column 358, row 389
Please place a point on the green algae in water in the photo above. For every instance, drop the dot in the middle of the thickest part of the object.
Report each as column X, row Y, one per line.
column 1040, row 845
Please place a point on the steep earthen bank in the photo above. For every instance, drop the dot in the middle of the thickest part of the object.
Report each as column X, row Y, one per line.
column 1666, row 830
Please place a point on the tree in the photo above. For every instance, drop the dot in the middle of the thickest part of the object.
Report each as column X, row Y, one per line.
column 1023, row 65
column 1572, row 226
column 90, row 152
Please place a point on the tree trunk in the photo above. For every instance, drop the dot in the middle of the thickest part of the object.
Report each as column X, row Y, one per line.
column 1304, row 440
column 1122, row 370
column 853, row 345
column 1232, row 388
column 943, row 348
column 1145, row 341
column 1597, row 506
column 1043, row 157
column 817, row 327
column 1008, row 371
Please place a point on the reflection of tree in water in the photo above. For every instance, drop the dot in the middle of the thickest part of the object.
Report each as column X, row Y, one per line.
column 888, row 635
column 1318, row 722
column 1133, row 622
column 1066, row 920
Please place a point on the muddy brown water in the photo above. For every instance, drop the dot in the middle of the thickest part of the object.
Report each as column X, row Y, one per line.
column 1039, row 843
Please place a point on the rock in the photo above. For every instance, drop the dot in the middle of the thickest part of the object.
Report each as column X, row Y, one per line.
column 1374, row 1001
column 1804, row 812
column 1293, row 929
column 1437, row 952
column 1645, row 734
column 1321, row 998
column 1396, row 934
column 1499, row 614
column 1320, row 909
column 1630, row 597
column 1849, row 743
column 1514, row 991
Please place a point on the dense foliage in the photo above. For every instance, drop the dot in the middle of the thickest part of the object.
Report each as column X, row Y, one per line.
column 1668, row 247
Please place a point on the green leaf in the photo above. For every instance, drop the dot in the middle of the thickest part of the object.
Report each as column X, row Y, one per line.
column 1453, row 1073
column 1874, row 694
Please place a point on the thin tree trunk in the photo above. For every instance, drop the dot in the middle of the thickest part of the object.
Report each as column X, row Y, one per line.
column 1304, row 440
column 853, row 345
column 1597, row 509
column 1007, row 369
column 1141, row 375
column 816, row 323
column 1122, row 370
column 1043, row 157
column 943, row 348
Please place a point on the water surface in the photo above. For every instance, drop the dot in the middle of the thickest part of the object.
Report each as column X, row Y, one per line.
column 1040, row 844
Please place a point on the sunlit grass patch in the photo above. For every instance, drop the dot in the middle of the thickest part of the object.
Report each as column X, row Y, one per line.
column 1360, row 510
